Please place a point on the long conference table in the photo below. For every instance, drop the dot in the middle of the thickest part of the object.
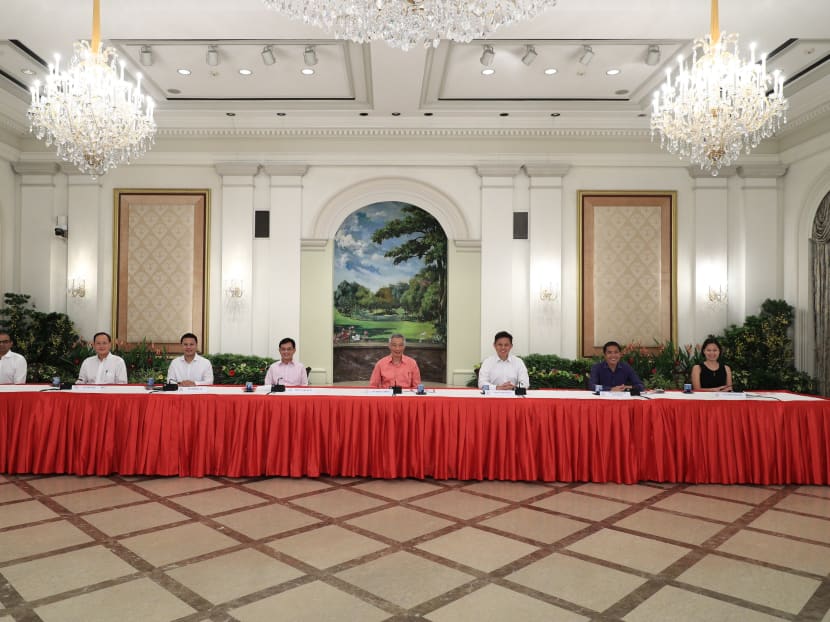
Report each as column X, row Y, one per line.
column 759, row 438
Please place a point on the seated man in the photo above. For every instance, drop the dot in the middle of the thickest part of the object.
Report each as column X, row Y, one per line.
column 287, row 371
column 612, row 373
column 397, row 369
column 104, row 367
column 190, row 369
column 12, row 364
column 502, row 371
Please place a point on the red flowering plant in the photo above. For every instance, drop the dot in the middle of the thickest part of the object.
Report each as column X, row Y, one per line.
column 143, row 360
column 239, row 368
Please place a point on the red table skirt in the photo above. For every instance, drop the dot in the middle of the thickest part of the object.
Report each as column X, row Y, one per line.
column 435, row 436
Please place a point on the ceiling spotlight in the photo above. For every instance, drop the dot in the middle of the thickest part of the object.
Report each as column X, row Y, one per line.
column 587, row 55
column 146, row 55
column 487, row 56
column 550, row 71
column 530, row 55
column 267, row 54
column 307, row 71
column 612, row 72
column 310, row 55
column 212, row 57
column 488, row 71
column 183, row 71
column 653, row 55
column 245, row 72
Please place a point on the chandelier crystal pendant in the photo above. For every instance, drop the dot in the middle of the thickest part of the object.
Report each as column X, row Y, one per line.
column 719, row 105
column 95, row 118
column 405, row 24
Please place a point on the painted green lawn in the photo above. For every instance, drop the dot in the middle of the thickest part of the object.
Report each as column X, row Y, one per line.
column 380, row 330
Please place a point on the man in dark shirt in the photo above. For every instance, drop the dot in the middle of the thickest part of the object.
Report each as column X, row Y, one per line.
column 612, row 373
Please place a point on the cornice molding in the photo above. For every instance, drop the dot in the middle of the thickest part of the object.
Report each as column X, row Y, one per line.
column 803, row 119
column 287, row 169
column 540, row 169
column 313, row 244
column 762, row 171
column 237, row 169
column 498, row 170
column 35, row 168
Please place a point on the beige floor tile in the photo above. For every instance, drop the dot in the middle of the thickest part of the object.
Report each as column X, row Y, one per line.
column 628, row 550
column 37, row 539
column 536, row 525
column 168, row 486
column 266, row 521
column 493, row 603
column 671, row 526
column 780, row 551
column 745, row 494
column 404, row 579
column 510, row 491
column 705, row 507
column 580, row 582
column 459, row 504
column 284, row 487
column 398, row 488
column 219, row 500
column 808, row 527
column 57, row 484
column 313, row 602
column 68, row 571
column 338, row 502
column 136, row 601
column 478, row 549
column 751, row 582
column 583, row 506
column 24, row 512
column 690, row 607
column 177, row 543
column 327, row 546
column 399, row 523
column 109, row 497
column 10, row 492
column 806, row 505
column 134, row 518
column 816, row 491
column 630, row 493
column 230, row 576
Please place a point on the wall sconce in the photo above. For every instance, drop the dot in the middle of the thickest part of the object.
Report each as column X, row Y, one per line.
column 234, row 288
column 549, row 293
column 716, row 297
column 77, row 288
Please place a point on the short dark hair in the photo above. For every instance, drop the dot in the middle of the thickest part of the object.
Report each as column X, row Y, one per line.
column 189, row 336
column 608, row 344
column 712, row 340
column 7, row 334
column 285, row 340
column 503, row 334
column 96, row 335
column 397, row 336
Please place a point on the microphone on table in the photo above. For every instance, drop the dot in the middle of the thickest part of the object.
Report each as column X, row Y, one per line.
column 279, row 387
column 519, row 389
column 396, row 390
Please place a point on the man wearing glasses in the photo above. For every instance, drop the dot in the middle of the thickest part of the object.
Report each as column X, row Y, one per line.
column 12, row 364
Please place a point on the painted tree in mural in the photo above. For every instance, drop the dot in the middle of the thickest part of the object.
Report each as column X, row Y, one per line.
column 425, row 295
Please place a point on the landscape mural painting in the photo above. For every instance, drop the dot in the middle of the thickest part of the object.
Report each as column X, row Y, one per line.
column 390, row 276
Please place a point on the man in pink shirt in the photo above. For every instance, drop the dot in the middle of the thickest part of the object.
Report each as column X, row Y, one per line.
column 397, row 369
column 287, row 371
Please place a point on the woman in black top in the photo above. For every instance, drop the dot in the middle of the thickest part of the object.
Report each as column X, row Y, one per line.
column 712, row 375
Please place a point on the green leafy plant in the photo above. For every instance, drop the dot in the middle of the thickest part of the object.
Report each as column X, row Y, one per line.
column 239, row 369
column 144, row 360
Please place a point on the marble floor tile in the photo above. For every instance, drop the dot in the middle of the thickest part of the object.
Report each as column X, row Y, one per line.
column 399, row 523
column 808, row 527
column 745, row 494
column 670, row 526
column 458, row 504
column 535, row 525
column 627, row 550
column 806, row 504
column 583, row 506
column 630, row 493
column 99, row 498
column 398, row 489
column 817, row 491
column 493, row 603
column 134, row 518
column 266, row 521
column 10, row 492
column 23, row 512
column 169, row 486
column 284, row 487
column 673, row 603
column 327, row 546
column 704, row 507
column 477, row 549
column 509, row 491
column 813, row 558
column 56, row 484
column 338, row 502
column 37, row 539
column 177, row 543
column 219, row 500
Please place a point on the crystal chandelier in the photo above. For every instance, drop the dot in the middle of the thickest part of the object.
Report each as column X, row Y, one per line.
column 95, row 118
column 718, row 106
column 406, row 23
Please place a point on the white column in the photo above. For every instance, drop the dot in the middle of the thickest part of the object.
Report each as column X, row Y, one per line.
column 497, row 183
column 237, row 232
column 282, row 274
column 545, row 233
column 763, row 227
column 85, row 260
column 41, row 252
column 711, row 272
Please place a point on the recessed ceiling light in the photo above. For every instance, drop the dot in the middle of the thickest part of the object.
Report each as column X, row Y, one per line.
column 612, row 72
column 307, row 71
column 280, row 114
column 174, row 91
column 550, row 71
column 504, row 114
column 27, row 72
column 396, row 114
column 364, row 114
column 183, row 71
column 245, row 72
column 427, row 114
column 230, row 114
column 555, row 114
column 488, row 71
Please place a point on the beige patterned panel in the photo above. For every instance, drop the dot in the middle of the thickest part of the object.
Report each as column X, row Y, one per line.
column 160, row 274
column 627, row 274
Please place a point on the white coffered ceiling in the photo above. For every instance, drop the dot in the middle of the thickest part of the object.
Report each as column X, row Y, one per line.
column 376, row 85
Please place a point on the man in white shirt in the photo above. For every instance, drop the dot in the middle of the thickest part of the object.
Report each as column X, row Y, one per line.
column 502, row 371
column 104, row 367
column 12, row 364
column 287, row 371
column 190, row 369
